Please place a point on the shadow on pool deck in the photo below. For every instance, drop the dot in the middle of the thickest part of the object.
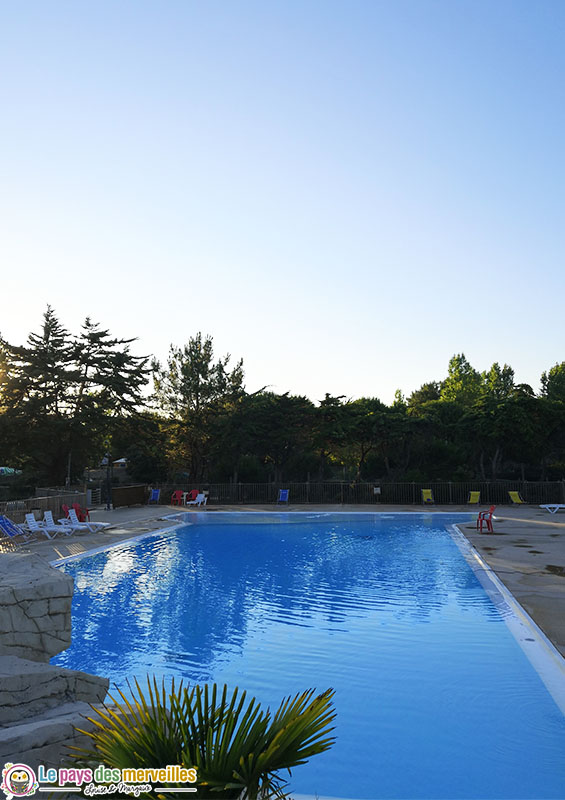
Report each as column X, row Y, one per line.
column 527, row 549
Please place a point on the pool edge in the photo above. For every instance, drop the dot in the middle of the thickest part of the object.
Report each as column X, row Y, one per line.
column 540, row 651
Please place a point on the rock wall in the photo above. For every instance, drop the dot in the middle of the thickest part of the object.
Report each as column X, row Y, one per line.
column 35, row 607
column 40, row 704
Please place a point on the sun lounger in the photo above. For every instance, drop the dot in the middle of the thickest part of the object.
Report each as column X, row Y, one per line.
column 34, row 526
column 516, row 498
column 474, row 498
column 199, row 500
column 553, row 508
column 9, row 530
column 83, row 526
column 75, row 525
column 427, row 497
column 50, row 524
column 283, row 496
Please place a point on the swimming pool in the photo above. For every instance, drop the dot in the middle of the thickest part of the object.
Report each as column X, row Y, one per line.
column 434, row 695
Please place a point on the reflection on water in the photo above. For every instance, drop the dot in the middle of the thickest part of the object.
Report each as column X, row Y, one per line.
column 387, row 612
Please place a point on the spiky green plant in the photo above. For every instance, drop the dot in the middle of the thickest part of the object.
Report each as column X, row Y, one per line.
column 237, row 748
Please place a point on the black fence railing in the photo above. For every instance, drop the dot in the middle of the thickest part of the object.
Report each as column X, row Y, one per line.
column 333, row 492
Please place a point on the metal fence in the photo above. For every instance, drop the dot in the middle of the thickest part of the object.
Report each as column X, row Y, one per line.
column 333, row 492
column 17, row 509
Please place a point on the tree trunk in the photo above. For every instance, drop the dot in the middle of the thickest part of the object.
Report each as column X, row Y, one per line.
column 495, row 462
column 68, row 477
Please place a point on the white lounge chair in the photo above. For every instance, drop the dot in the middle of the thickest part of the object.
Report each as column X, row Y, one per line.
column 83, row 526
column 34, row 526
column 49, row 523
column 72, row 520
column 199, row 500
column 553, row 508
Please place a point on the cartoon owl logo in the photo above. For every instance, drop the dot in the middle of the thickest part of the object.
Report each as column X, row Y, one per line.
column 18, row 780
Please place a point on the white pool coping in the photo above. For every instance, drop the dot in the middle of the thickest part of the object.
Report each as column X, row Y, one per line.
column 539, row 650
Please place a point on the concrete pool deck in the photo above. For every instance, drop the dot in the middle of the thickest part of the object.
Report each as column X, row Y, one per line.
column 526, row 551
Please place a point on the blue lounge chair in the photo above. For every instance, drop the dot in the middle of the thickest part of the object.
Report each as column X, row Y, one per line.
column 12, row 531
column 283, row 496
column 155, row 496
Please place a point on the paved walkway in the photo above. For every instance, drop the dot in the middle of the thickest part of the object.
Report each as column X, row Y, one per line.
column 527, row 550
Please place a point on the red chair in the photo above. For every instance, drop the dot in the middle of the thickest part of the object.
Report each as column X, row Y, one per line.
column 83, row 514
column 65, row 510
column 485, row 518
column 191, row 495
column 176, row 498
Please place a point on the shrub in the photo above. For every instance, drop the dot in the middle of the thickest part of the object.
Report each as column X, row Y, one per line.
column 237, row 748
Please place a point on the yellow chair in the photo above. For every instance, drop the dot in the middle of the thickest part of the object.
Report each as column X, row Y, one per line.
column 516, row 499
column 474, row 498
column 427, row 497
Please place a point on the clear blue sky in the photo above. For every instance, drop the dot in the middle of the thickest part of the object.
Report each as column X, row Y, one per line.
column 344, row 194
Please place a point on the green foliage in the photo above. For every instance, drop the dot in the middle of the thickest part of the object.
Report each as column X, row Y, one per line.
column 237, row 748
column 272, row 430
column 195, row 392
column 192, row 382
column 108, row 379
column 143, row 440
column 426, row 393
column 62, row 397
column 60, row 394
column 498, row 382
column 553, row 383
column 463, row 382
column 36, row 378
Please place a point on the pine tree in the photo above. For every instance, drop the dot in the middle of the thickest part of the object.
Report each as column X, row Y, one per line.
column 37, row 376
column 63, row 393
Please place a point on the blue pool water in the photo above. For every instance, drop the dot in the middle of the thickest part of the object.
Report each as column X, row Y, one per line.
column 434, row 696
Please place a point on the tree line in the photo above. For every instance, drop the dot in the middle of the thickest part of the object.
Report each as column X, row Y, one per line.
column 67, row 399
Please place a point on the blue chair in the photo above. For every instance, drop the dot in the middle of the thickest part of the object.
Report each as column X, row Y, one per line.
column 12, row 531
column 154, row 496
column 283, row 496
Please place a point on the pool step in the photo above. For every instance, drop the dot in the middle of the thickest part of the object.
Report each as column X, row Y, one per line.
column 28, row 688
column 42, row 739
column 39, row 705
